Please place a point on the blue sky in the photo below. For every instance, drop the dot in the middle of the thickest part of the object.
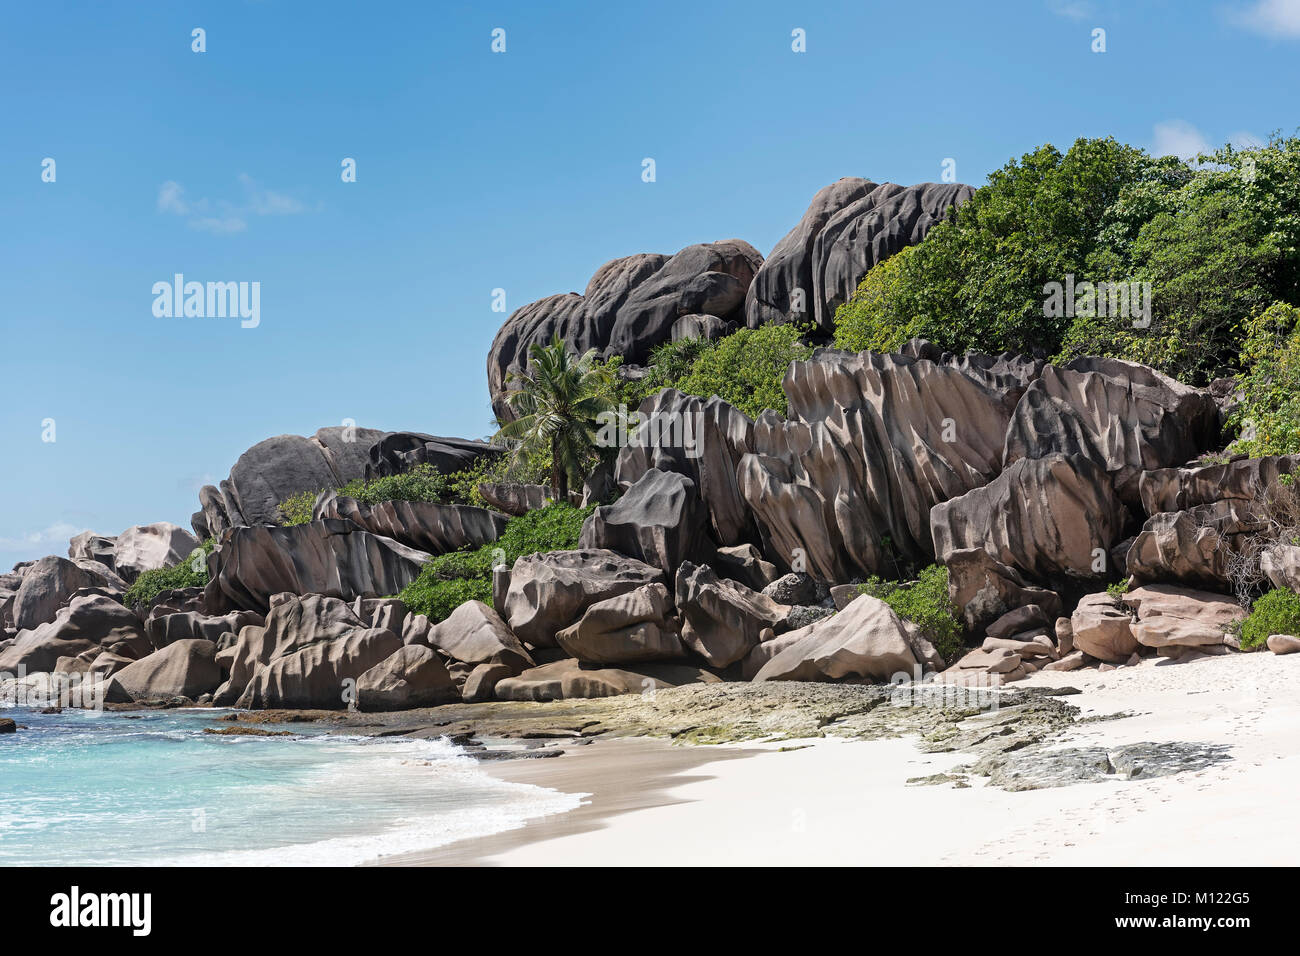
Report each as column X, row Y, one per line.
column 478, row 171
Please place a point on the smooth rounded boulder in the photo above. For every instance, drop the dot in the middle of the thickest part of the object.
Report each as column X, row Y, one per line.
column 865, row 641
column 186, row 668
column 413, row 676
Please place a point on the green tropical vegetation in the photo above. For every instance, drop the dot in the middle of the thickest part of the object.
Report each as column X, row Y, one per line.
column 558, row 401
column 190, row 573
column 1218, row 240
column 924, row 602
column 450, row 580
column 1277, row 612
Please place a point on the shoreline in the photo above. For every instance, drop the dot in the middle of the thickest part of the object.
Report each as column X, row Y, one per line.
column 841, row 801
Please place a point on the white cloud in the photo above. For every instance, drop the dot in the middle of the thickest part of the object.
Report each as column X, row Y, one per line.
column 222, row 216
column 1071, row 9
column 1243, row 139
column 57, row 533
column 1178, row 138
column 1274, row 18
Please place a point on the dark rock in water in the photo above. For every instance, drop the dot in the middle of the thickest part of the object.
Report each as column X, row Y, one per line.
column 331, row 557
column 424, row 525
column 850, row 226
column 398, row 452
column 629, row 306
column 548, row 592
column 1125, row 417
column 1049, row 518
column 657, row 521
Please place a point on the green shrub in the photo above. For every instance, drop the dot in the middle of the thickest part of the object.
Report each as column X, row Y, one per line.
column 423, row 482
column 450, row 580
column 1268, row 417
column 924, row 602
column 145, row 589
column 296, row 509
column 1277, row 612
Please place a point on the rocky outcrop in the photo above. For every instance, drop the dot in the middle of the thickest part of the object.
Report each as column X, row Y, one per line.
column 722, row 619
column 568, row 679
column 150, row 547
column 707, row 327
column 548, row 592
column 164, row 630
column 516, row 498
column 279, row 468
column 1053, row 519
column 1102, row 627
column 331, row 557
column 629, row 306
column 984, row 589
column 186, row 668
column 850, row 226
column 703, row 440
column 50, row 583
column 413, row 676
column 322, row 675
column 424, row 525
column 1281, row 565
column 397, row 452
column 629, row 628
column 1122, row 416
column 1168, row 615
column 475, row 634
column 89, row 546
column 866, row 641
column 90, row 622
column 874, row 442
column 1243, row 479
column 657, row 521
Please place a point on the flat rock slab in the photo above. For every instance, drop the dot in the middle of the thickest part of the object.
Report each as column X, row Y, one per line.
column 1037, row 769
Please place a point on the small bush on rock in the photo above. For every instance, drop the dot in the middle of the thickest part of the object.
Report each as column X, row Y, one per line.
column 1277, row 612
column 190, row 573
column 449, row 580
column 925, row 603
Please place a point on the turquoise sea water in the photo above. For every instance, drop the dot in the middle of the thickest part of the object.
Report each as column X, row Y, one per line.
column 151, row 788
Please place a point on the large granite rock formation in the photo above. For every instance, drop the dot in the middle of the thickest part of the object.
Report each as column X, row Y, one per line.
column 850, row 226
column 279, row 468
column 629, row 306
column 548, row 592
column 331, row 556
column 150, row 547
column 424, row 525
column 89, row 546
column 569, row 679
column 657, row 521
column 90, row 622
column 629, row 628
column 866, row 641
column 984, row 589
column 475, row 634
column 413, row 676
column 49, row 584
column 320, row 675
column 398, row 452
column 1053, row 519
column 722, row 619
column 186, row 668
column 1125, row 417
column 873, row 443
column 703, row 440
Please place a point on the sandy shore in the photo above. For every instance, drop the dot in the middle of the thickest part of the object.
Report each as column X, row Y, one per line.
column 835, row 801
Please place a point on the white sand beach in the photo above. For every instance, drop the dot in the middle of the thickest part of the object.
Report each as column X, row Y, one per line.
column 848, row 802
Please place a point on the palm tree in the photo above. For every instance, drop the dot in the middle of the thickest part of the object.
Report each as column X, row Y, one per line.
column 556, row 404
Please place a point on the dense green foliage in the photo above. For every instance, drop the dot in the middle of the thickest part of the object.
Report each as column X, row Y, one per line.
column 450, row 580
column 559, row 402
column 422, row 482
column 1267, row 420
column 1277, row 612
column 924, row 602
column 190, row 573
column 1217, row 240
column 744, row 369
